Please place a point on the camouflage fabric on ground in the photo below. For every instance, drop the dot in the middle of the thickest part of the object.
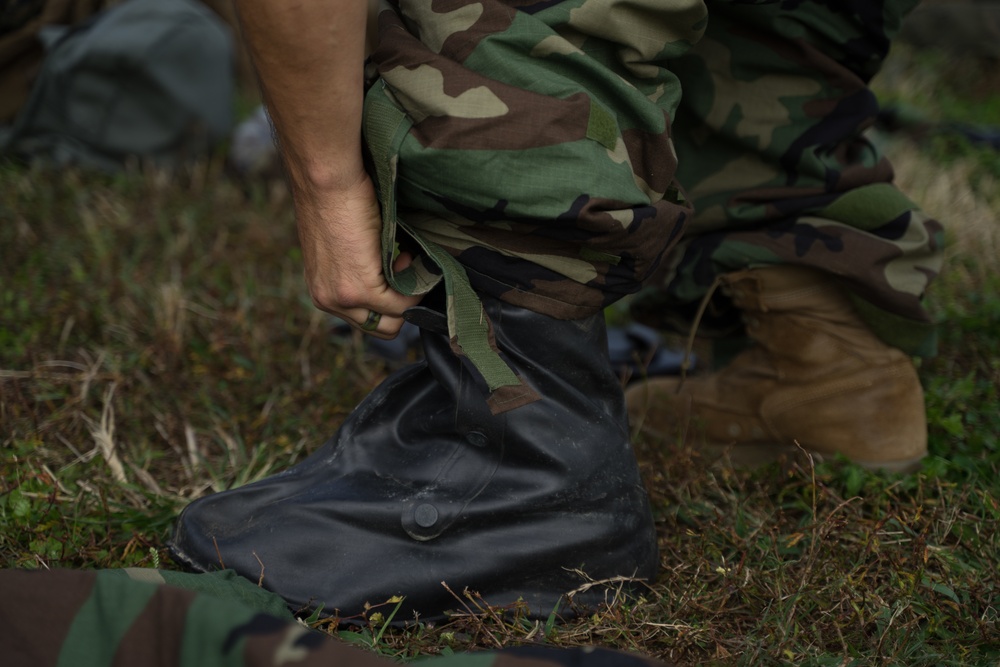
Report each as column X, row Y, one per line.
column 108, row 618
column 541, row 153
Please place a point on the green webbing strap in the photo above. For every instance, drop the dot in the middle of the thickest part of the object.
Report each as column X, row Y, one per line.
column 869, row 207
column 385, row 128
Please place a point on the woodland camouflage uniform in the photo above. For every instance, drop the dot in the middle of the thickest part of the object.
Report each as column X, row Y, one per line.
column 571, row 151
column 134, row 618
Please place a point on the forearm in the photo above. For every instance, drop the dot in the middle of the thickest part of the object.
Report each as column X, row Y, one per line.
column 309, row 56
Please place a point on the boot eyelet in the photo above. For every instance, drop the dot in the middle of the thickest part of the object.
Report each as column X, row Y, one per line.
column 734, row 430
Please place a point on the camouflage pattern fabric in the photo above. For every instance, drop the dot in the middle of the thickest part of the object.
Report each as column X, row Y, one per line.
column 771, row 150
column 108, row 618
column 541, row 153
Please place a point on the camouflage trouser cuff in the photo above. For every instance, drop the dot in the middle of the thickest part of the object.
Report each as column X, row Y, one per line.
column 385, row 127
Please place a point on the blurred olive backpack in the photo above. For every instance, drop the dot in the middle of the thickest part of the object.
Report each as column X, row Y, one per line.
column 151, row 79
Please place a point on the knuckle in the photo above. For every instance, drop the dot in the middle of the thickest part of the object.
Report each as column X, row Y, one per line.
column 350, row 298
column 321, row 303
column 330, row 296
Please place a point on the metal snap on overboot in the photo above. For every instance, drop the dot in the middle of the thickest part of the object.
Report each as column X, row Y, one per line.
column 477, row 438
column 424, row 521
column 425, row 515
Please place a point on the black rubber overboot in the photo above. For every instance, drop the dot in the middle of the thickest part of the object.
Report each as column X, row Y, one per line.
column 423, row 485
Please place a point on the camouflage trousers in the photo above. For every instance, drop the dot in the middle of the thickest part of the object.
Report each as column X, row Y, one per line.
column 769, row 136
column 134, row 617
column 570, row 153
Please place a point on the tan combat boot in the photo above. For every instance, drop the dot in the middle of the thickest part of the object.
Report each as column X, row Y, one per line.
column 817, row 376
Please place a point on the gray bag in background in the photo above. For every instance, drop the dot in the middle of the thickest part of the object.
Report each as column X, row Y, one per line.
column 146, row 78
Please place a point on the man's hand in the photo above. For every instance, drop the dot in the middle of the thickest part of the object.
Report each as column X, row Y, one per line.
column 340, row 233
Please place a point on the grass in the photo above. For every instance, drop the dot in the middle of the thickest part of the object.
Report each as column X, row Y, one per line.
column 156, row 342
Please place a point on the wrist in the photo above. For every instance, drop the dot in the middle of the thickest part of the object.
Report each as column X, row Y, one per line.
column 323, row 181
